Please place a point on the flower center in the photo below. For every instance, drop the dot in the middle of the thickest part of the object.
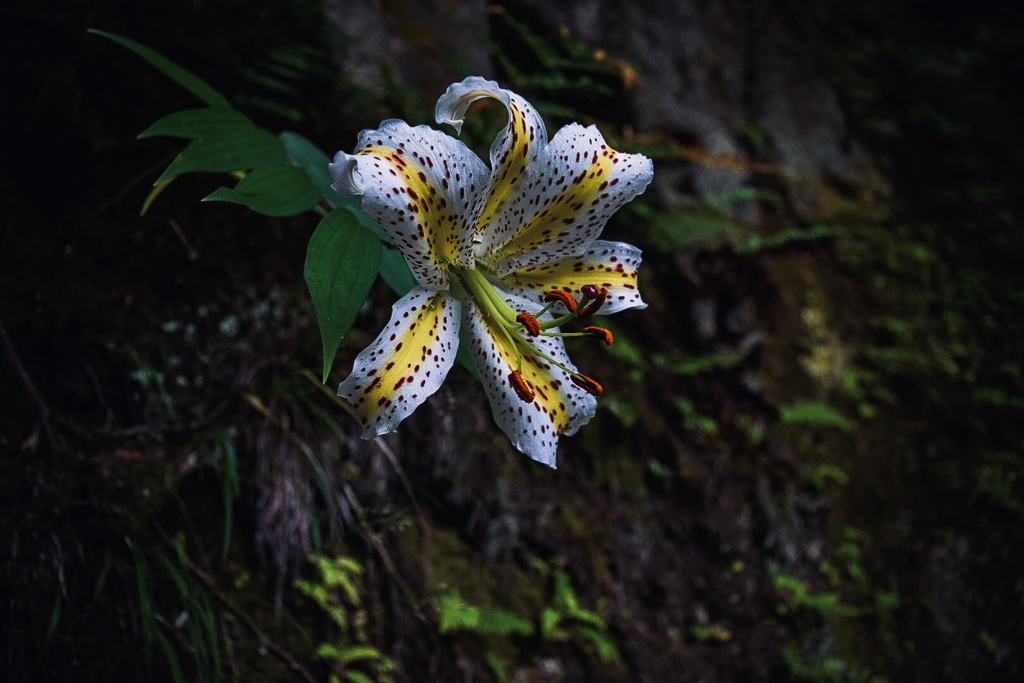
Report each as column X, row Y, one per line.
column 517, row 327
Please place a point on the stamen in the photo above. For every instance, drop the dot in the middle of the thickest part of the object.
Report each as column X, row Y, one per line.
column 586, row 384
column 602, row 332
column 520, row 386
column 599, row 296
column 528, row 321
column 564, row 297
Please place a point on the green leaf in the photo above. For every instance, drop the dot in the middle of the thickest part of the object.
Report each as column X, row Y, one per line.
column 185, row 79
column 606, row 649
column 157, row 190
column 329, row 651
column 272, row 191
column 198, row 124
column 549, row 619
column 393, row 268
column 240, row 150
column 495, row 621
column 814, row 413
column 360, row 653
column 358, row 677
column 304, row 153
column 454, row 614
column 341, row 264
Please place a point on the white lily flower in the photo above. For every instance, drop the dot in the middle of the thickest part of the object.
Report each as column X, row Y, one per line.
column 503, row 256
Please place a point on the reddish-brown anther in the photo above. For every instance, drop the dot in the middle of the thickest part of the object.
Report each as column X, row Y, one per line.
column 519, row 385
column 599, row 297
column 602, row 333
column 586, row 384
column 530, row 322
column 563, row 296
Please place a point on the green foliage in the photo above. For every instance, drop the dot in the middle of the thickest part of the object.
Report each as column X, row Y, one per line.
column 226, row 461
column 801, row 598
column 151, row 632
column 563, row 619
column 815, row 414
column 690, row 228
column 566, row 619
column 825, row 671
column 337, row 592
column 455, row 614
column 190, row 82
column 714, row 633
column 694, row 366
column 756, row 243
column 554, row 65
column 278, row 176
column 196, row 622
column 272, row 191
column 237, row 149
column 198, row 124
column 694, row 421
column 338, row 293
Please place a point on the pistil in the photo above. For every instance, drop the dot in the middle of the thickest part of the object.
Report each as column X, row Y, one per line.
column 513, row 323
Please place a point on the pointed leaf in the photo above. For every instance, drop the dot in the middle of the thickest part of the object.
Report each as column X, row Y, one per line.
column 185, row 79
column 360, row 652
column 198, row 124
column 240, row 150
column 272, row 191
column 341, row 264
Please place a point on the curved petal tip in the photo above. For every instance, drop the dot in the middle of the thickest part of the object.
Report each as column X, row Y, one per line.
column 345, row 172
column 452, row 105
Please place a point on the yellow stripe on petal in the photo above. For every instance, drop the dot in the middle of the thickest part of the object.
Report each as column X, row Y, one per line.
column 571, row 192
column 511, row 154
column 514, row 150
column 406, row 363
column 423, row 187
column 539, row 404
column 612, row 265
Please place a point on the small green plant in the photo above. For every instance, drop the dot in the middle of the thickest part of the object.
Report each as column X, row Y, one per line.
column 800, row 598
column 455, row 614
column 565, row 619
column 337, row 593
column 825, row 671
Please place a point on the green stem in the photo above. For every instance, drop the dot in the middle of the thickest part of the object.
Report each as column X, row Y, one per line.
column 483, row 292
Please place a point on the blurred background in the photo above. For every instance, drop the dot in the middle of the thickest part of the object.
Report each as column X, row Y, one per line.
column 807, row 465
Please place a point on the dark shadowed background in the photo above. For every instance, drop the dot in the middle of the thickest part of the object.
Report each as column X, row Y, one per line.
column 807, row 464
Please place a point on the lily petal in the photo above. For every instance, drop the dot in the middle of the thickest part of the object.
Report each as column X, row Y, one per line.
column 558, row 406
column 570, row 193
column 406, row 363
column 423, row 187
column 612, row 265
column 516, row 148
